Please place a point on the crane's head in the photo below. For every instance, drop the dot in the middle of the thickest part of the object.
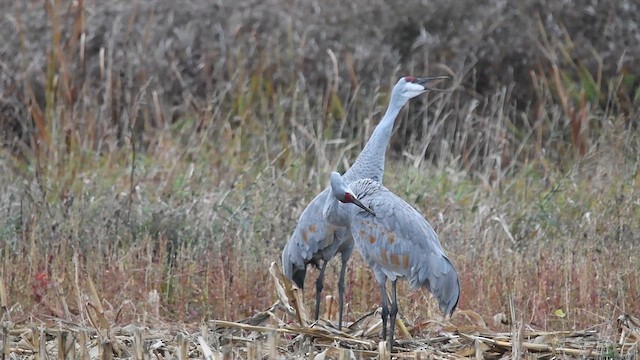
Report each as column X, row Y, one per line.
column 409, row 87
column 344, row 194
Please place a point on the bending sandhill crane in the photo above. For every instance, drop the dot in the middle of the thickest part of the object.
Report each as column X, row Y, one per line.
column 395, row 240
column 312, row 241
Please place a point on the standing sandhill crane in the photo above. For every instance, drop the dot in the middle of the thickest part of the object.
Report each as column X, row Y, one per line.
column 313, row 241
column 395, row 240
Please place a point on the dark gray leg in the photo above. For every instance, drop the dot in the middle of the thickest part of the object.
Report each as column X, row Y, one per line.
column 319, row 286
column 393, row 312
column 343, row 270
column 385, row 309
column 345, row 255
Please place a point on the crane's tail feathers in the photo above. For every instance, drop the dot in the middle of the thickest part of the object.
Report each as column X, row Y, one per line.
column 298, row 276
column 441, row 279
column 448, row 291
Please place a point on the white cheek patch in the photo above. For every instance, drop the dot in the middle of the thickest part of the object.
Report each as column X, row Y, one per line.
column 411, row 87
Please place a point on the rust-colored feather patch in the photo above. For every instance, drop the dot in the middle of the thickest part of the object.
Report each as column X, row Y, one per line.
column 394, row 260
column 405, row 261
column 392, row 238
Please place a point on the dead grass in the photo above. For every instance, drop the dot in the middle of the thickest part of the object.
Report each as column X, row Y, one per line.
column 265, row 335
column 166, row 150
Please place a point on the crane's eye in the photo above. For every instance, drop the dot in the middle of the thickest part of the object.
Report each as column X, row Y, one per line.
column 348, row 198
column 410, row 79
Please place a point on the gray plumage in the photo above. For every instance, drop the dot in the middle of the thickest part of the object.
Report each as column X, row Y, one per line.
column 314, row 241
column 396, row 242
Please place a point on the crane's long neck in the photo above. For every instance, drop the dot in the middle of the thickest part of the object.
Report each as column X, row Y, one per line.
column 339, row 214
column 370, row 162
column 335, row 213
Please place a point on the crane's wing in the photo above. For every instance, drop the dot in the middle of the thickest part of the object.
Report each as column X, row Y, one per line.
column 402, row 243
column 312, row 240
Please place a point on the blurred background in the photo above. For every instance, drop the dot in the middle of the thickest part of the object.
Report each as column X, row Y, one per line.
column 171, row 146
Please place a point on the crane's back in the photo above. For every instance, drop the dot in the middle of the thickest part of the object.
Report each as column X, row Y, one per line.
column 313, row 240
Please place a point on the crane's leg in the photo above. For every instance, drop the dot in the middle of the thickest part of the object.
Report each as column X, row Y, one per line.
column 385, row 309
column 341, row 288
column 393, row 312
column 319, row 286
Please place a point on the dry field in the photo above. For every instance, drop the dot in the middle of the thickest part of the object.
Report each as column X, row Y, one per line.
column 155, row 156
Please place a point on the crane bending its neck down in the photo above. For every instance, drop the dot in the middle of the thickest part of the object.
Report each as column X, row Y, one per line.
column 395, row 240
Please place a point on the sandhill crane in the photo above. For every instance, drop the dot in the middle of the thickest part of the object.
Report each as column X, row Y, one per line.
column 312, row 241
column 395, row 240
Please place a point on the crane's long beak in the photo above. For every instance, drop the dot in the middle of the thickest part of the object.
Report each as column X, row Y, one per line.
column 363, row 206
column 428, row 82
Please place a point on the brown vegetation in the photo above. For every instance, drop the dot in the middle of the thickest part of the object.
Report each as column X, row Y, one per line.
column 164, row 150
